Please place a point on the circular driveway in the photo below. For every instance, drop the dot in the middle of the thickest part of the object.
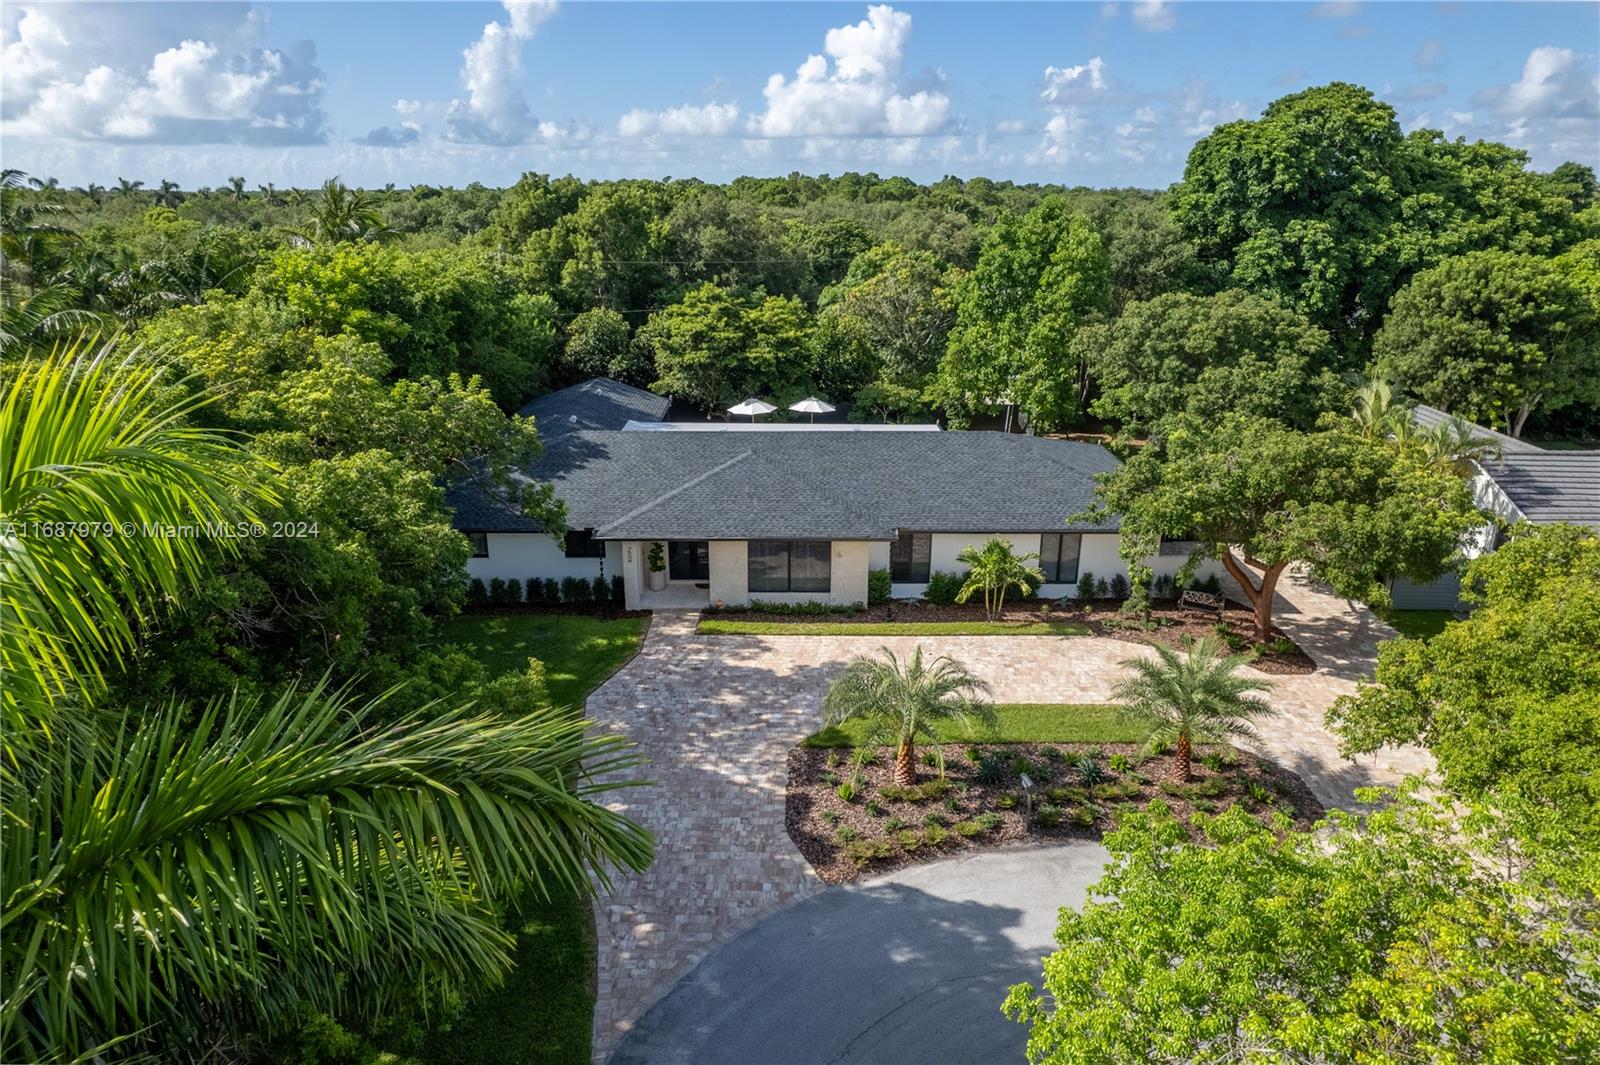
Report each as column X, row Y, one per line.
column 910, row 968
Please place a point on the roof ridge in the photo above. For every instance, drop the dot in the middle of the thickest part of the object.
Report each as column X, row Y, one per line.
column 684, row 487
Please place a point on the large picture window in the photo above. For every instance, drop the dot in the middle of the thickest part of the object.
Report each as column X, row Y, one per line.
column 909, row 556
column 790, row 565
column 580, row 543
column 1058, row 557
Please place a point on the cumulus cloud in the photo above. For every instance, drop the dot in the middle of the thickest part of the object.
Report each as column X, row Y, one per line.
column 495, row 110
column 1011, row 125
column 1155, row 16
column 72, row 72
column 710, row 120
column 392, row 136
column 852, row 89
column 1554, row 84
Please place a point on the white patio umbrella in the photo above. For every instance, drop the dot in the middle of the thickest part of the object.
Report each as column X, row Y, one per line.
column 813, row 406
column 752, row 407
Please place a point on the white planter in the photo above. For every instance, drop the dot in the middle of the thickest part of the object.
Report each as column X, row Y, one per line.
column 655, row 579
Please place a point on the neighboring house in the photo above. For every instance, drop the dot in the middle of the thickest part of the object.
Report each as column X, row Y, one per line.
column 784, row 512
column 1523, row 483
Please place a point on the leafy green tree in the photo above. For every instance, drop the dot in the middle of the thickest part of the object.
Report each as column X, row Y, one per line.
column 1493, row 335
column 1147, row 254
column 597, row 344
column 1038, row 280
column 717, row 346
column 1209, row 355
column 1198, row 696
column 610, row 251
column 993, row 569
column 1413, row 933
column 902, row 702
column 340, row 213
column 1508, row 700
column 1260, row 496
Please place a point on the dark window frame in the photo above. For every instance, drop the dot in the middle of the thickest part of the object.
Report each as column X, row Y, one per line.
column 1050, row 562
column 580, row 543
column 694, row 564
column 788, row 567
column 479, row 542
column 904, row 566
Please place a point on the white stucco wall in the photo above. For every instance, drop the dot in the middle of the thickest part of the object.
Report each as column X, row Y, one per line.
column 524, row 555
column 730, row 572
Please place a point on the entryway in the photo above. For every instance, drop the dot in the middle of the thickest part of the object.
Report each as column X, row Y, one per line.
column 688, row 560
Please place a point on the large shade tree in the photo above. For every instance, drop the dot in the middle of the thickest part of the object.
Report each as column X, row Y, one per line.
column 269, row 855
column 1494, row 335
column 1261, row 497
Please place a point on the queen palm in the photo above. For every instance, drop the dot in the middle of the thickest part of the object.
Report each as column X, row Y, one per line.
column 1194, row 697
column 994, row 569
column 902, row 702
column 169, row 869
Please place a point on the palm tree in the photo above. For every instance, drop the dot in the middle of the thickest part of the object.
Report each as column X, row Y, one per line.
column 34, row 318
column 168, row 869
column 168, row 195
column 1189, row 698
column 994, row 569
column 340, row 213
column 48, row 184
column 1456, row 445
column 269, row 195
column 901, row 703
column 236, row 189
column 27, row 232
column 127, row 188
column 1377, row 412
column 95, row 192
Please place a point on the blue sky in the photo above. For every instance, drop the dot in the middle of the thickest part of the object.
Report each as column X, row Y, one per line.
column 1101, row 94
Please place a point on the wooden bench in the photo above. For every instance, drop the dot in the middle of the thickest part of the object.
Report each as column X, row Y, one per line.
column 1202, row 601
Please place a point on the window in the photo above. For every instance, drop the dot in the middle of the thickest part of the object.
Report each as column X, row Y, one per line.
column 790, row 565
column 1058, row 557
column 908, row 557
column 689, row 560
column 580, row 543
column 480, row 544
column 1178, row 547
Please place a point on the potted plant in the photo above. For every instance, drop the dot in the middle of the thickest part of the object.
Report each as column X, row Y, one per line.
column 656, row 561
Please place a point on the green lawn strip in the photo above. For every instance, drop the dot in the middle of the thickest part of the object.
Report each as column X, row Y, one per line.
column 1019, row 723
column 1419, row 624
column 543, row 1012
column 716, row 627
column 578, row 652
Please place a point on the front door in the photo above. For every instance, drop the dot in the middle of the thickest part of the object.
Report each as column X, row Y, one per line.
column 689, row 560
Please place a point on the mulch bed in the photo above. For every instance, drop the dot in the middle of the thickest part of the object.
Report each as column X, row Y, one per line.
column 1173, row 625
column 588, row 610
column 875, row 842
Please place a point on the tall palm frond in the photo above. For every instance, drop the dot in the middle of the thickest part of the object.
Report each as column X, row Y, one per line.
column 97, row 445
column 1457, row 444
column 34, row 319
column 128, row 188
column 902, row 703
column 340, row 213
column 268, row 855
column 1198, row 696
column 994, row 569
column 1378, row 413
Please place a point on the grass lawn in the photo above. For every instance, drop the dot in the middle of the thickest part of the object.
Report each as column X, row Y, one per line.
column 578, row 652
column 1418, row 623
column 1019, row 723
column 892, row 628
column 543, row 1012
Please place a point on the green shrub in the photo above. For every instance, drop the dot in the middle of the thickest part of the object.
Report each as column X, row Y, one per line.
column 1258, row 793
column 989, row 820
column 874, row 808
column 1088, row 769
column 569, row 589
column 1119, row 586
column 930, row 759
column 847, row 834
column 1212, row 761
column 497, row 591
column 1083, row 817
column 477, row 592
column 879, row 587
column 910, row 839
column 952, row 804
column 1047, row 815
column 1102, row 590
column 1007, row 801
column 767, row 606
column 895, row 824
column 1120, row 763
column 1055, row 754
column 830, row 816
column 1164, row 588
column 943, row 587
column 599, row 590
column 991, row 768
column 866, row 850
column 619, row 594
column 937, row 788
column 934, row 835
column 1125, row 789
column 1209, row 787
column 551, row 591
column 934, row 818
column 846, row 791
column 1085, row 585
column 968, row 829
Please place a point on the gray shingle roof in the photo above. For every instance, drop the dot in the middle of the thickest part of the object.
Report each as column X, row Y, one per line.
column 1427, row 417
column 1551, row 486
column 598, row 403
column 825, row 486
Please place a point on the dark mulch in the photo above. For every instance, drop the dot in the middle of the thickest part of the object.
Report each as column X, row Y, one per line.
column 1172, row 625
column 587, row 610
column 815, row 813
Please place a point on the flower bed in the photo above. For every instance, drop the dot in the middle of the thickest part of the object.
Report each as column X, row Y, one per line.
column 847, row 831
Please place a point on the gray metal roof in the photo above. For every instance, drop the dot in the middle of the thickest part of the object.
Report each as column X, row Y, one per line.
column 1551, row 486
column 823, row 486
column 1427, row 417
column 598, row 403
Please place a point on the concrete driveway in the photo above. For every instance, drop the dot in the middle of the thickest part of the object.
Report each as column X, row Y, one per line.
column 909, row 969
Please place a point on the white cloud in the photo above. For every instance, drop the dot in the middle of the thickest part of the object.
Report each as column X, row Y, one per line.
column 1011, row 125
column 495, row 111
column 1428, row 54
column 392, row 136
column 1336, row 9
column 710, row 120
column 857, row 93
column 1154, row 15
column 99, row 74
column 1552, row 84
column 1061, row 83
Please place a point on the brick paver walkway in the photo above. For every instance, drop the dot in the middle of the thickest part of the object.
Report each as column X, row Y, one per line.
column 717, row 715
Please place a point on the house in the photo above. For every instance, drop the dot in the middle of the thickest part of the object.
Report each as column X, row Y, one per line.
column 785, row 512
column 1524, row 482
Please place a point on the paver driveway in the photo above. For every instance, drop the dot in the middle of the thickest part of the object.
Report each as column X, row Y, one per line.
column 717, row 715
